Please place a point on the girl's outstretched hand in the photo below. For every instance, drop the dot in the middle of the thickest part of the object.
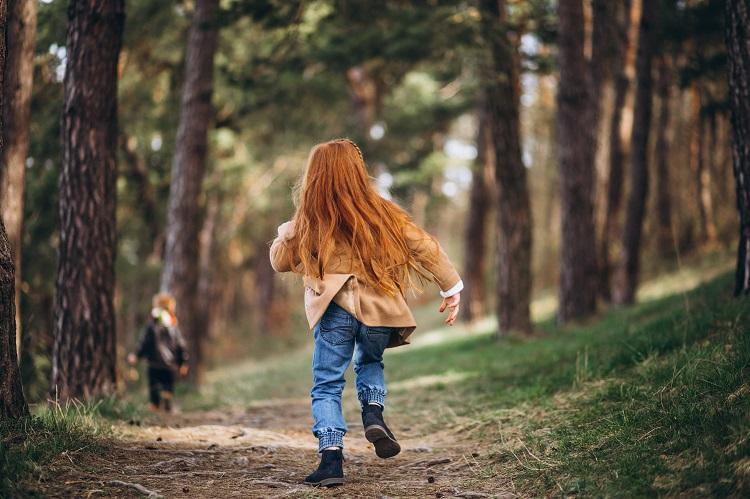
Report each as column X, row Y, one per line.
column 451, row 303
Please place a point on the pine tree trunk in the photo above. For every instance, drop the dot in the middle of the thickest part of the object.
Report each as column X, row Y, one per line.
column 475, row 238
column 366, row 93
column 627, row 272
column 22, row 16
column 12, row 402
column 513, row 219
column 619, row 141
column 737, row 22
column 83, row 360
column 180, row 272
column 204, row 303
column 663, row 143
column 578, row 269
column 265, row 286
column 699, row 166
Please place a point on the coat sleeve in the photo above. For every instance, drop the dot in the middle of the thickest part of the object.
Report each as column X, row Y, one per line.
column 431, row 256
column 145, row 342
column 281, row 250
column 181, row 355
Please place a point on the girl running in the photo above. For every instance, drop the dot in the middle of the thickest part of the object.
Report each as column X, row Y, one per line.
column 358, row 254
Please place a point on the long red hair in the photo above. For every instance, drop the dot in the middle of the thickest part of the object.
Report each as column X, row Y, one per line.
column 337, row 206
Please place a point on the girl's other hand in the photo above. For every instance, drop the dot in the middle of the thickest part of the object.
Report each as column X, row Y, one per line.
column 451, row 303
column 285, row 230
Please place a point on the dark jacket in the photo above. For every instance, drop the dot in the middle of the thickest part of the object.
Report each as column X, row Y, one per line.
column 162, row 346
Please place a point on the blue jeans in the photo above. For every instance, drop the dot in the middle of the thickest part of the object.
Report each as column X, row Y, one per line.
column 338, row 336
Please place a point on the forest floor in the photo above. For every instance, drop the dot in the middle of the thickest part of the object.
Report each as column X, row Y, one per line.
column 641, row 401
column 265, row 450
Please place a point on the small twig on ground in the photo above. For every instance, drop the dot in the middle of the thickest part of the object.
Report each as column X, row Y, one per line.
column 290, row 492
column 270, row 483
column 467, row 494
column 137, row 486
column 426, row 463
column 435, row 462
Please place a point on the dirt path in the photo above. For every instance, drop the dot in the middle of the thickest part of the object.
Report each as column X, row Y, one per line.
column 265, row 451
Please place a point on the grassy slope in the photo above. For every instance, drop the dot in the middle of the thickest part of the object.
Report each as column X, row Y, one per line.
column 645, row 400
column 51, row 435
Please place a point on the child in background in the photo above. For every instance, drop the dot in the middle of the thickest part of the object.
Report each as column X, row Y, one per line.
column 358, row 254
column 163, row 346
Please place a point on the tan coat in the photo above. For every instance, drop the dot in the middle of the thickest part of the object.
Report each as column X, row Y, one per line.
column 340, row 283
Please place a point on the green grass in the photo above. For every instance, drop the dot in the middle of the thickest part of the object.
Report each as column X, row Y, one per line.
column 28, row 445
column 648, row 400
column 643, row 401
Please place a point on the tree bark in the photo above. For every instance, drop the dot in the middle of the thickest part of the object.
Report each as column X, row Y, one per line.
column 204, row 303
column 627, row 272
column 737, row 25
column 702, row 174
column 180, row 272
column 84, row 356
column 19, row 72
column 663, row 143
column 12, row 401
column 513, row 219
column 475, row 237
column 578, row 274
column 265, row 287
column 619, row 141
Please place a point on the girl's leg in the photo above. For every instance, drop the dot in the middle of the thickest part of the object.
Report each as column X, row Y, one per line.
column 154, row 389
column 334, row 345
column 368, row 364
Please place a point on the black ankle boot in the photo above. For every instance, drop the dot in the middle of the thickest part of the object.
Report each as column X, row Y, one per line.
column 330, row 470
column 377, row 432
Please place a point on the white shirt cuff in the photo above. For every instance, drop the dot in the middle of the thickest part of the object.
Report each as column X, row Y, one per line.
column 454, row 290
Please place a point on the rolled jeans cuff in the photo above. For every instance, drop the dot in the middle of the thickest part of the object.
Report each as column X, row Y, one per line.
column 330, row 438
column 368, row 395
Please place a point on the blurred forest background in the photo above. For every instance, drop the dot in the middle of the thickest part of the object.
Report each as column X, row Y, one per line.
column 431, row 91
column 455, row 105
column 584, row 162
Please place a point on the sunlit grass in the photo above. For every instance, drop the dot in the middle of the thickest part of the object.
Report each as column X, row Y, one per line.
column 53, row 432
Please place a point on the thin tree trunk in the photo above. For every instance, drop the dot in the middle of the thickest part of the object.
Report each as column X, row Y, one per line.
column 180, row 272
column 627, row 272
column 621, row 126
column 205, row 296
column 604, row 51
column 604, row 48
column 475, row 238
column 366, row 94
column 83, row 360
column 578, row 274
column 137, row 172
column 663, row 143
column 698, row 155
column 265, row 287
column 514, row 213
column 22, row 16
column 12, row 402
column 737, row 23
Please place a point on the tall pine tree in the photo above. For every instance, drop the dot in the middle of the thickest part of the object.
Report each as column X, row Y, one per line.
column 83, row 360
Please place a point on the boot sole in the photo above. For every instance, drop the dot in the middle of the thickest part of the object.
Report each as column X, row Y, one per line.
column 385, row 446
column 328, row 482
